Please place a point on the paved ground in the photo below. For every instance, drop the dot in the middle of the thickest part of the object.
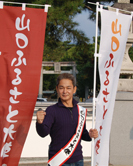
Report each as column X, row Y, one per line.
column 43, row 162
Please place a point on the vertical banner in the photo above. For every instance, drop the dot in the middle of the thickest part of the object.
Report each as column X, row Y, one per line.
column 114, row 33
column 22, row 32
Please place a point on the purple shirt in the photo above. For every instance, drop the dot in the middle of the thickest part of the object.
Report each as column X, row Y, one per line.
column 61, row 124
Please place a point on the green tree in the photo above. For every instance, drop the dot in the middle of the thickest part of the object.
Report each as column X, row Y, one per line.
column 60, row 26
column 83, row 55
column 131, row 53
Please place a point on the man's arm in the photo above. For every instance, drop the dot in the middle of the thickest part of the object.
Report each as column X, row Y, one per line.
column 44, row 122
column 40, row 116
column 87, row 136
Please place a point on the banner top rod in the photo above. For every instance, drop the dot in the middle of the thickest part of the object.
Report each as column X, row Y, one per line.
column 130, row 12
column 19, row 3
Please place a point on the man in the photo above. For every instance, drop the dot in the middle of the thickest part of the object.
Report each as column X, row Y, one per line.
column 65, row 122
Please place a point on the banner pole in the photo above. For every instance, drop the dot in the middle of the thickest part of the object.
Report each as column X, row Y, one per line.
column 94, row 85
column 19, row 3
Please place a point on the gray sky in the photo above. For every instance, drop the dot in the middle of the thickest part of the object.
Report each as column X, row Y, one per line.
column 85, row 24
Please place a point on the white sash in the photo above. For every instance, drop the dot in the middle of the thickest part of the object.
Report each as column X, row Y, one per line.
column 66, row 152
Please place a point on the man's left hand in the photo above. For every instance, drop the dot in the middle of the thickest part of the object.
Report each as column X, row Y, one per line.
column 93, row 133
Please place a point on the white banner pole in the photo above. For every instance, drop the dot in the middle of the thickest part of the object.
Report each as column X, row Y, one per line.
column 94, row 85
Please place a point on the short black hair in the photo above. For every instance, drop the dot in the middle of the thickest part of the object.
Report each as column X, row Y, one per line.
column 66, row 76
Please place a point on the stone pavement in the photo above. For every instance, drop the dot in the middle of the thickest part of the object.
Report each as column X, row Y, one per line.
column 45, row 164
column 42, row 161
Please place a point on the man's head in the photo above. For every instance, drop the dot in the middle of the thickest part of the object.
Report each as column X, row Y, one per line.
column 66, row 87
column 66, row 76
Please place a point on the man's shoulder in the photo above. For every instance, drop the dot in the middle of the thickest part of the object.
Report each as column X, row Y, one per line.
column 52, row 107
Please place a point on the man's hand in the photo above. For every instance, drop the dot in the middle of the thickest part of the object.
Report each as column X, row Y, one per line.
column 40, row 116
column 93, row 133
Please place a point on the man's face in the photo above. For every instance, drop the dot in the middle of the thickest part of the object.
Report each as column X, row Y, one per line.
column 65, row 89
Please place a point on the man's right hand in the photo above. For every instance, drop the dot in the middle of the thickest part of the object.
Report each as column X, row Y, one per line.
column 40, row 116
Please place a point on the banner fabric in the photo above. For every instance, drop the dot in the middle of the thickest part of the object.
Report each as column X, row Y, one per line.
column 22, row 34
column 114, row 33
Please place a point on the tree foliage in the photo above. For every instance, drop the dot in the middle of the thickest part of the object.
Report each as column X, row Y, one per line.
column 131, row 53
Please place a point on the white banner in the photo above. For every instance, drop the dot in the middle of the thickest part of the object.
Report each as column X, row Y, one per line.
column 114, row 33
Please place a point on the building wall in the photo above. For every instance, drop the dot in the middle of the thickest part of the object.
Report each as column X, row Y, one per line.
column 121, row 138
column 123, row 1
